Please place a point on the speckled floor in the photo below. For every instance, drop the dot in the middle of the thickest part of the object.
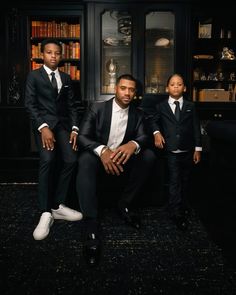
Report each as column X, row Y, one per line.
column 158, row 259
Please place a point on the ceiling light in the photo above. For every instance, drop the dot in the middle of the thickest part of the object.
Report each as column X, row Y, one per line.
column 162, row 42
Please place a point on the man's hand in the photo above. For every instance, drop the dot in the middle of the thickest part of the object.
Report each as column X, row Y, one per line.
column 109, row 165
column 73, row 140
column 122, row 154
column 48, row 139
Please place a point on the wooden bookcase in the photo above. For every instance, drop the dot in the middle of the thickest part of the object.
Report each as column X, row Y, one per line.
column 67, row 31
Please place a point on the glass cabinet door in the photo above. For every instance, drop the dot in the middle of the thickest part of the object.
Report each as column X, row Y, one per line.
column 116, row 48
column 141, row 43
column 159, row 50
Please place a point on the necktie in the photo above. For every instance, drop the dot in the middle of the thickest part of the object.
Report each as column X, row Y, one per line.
column 177, row 110
column 54, row 82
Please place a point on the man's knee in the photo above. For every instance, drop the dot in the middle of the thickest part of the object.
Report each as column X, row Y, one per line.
column 87, row 160
column 149, row 157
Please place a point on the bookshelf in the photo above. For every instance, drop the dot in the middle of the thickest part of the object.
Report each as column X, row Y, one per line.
column 67, row 31
column 213, row 73
column 214, row 61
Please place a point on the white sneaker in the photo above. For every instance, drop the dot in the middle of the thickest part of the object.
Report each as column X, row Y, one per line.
column 42, row 229
column 66, row 213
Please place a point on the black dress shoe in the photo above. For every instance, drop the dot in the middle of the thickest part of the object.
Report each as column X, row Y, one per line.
column 181, row 221
column 129, row 219
column 92, row 250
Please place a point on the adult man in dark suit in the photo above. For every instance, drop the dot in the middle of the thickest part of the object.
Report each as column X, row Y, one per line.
column 113, row 138
column 176, row 128
column 50, row 101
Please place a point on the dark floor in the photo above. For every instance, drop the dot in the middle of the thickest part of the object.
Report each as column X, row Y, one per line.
column 158, row 259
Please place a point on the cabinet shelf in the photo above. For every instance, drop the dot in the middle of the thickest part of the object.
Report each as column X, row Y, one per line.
column 39, row 60
column 64, row 39
column 214, row 60
column 208, row 82
column 211, row 72
column 118, row 47
column 214, row 41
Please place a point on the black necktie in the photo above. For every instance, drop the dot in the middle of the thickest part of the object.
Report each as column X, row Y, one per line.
column 54, row 82
column 177, row 110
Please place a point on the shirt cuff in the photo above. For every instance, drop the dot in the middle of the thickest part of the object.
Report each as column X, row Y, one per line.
column 137, row 147
column 198, row 149
column 41, row 126
column 98, row 150
column 75, row 128
column 155, row 132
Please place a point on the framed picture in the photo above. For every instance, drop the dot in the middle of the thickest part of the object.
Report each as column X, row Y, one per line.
column 205, row 29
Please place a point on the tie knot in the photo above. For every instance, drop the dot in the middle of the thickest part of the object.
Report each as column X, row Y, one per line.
column 176, row 102
column 52, row 74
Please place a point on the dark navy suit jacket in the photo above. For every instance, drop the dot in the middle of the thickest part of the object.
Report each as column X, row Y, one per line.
column 184, row 134
column 42, row 104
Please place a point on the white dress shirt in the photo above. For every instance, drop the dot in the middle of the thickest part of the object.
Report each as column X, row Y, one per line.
column 118, row 127
column 171, row 102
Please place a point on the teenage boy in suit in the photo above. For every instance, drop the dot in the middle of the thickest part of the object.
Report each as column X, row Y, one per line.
column 51, row 103
column 176, row 128
column 113, row 138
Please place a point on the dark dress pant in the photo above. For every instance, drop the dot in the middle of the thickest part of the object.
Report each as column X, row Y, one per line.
column 55, row 169
column 90, row 168
column 179, row 169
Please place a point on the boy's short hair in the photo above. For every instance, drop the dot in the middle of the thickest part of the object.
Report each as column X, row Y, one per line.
column 50, row 41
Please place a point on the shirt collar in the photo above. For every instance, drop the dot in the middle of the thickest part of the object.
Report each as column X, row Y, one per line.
column 49, row 70
column 171, row 100
column 117, row 108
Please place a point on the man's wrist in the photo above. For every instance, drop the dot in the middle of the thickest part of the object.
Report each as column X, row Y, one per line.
column 137, row 149
column 105, row 148
column 75, row 130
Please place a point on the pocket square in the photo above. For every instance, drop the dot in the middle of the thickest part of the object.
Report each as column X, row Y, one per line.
column 66, row 86
column 188, row 111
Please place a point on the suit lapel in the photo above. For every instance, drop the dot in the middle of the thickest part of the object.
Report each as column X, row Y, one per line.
column 106, row 125
column 63, row 78
column 185, row 105
column 63, row 81
column 130, row 124
column 44, row 75
column 168, row 110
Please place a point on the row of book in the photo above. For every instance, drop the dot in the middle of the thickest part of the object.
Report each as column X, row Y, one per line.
column 68, row 68
column 54, row 29
column 70, row 50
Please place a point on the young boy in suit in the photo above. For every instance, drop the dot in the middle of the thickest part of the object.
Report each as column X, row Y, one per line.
column 51, row 103
column 176, row 128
